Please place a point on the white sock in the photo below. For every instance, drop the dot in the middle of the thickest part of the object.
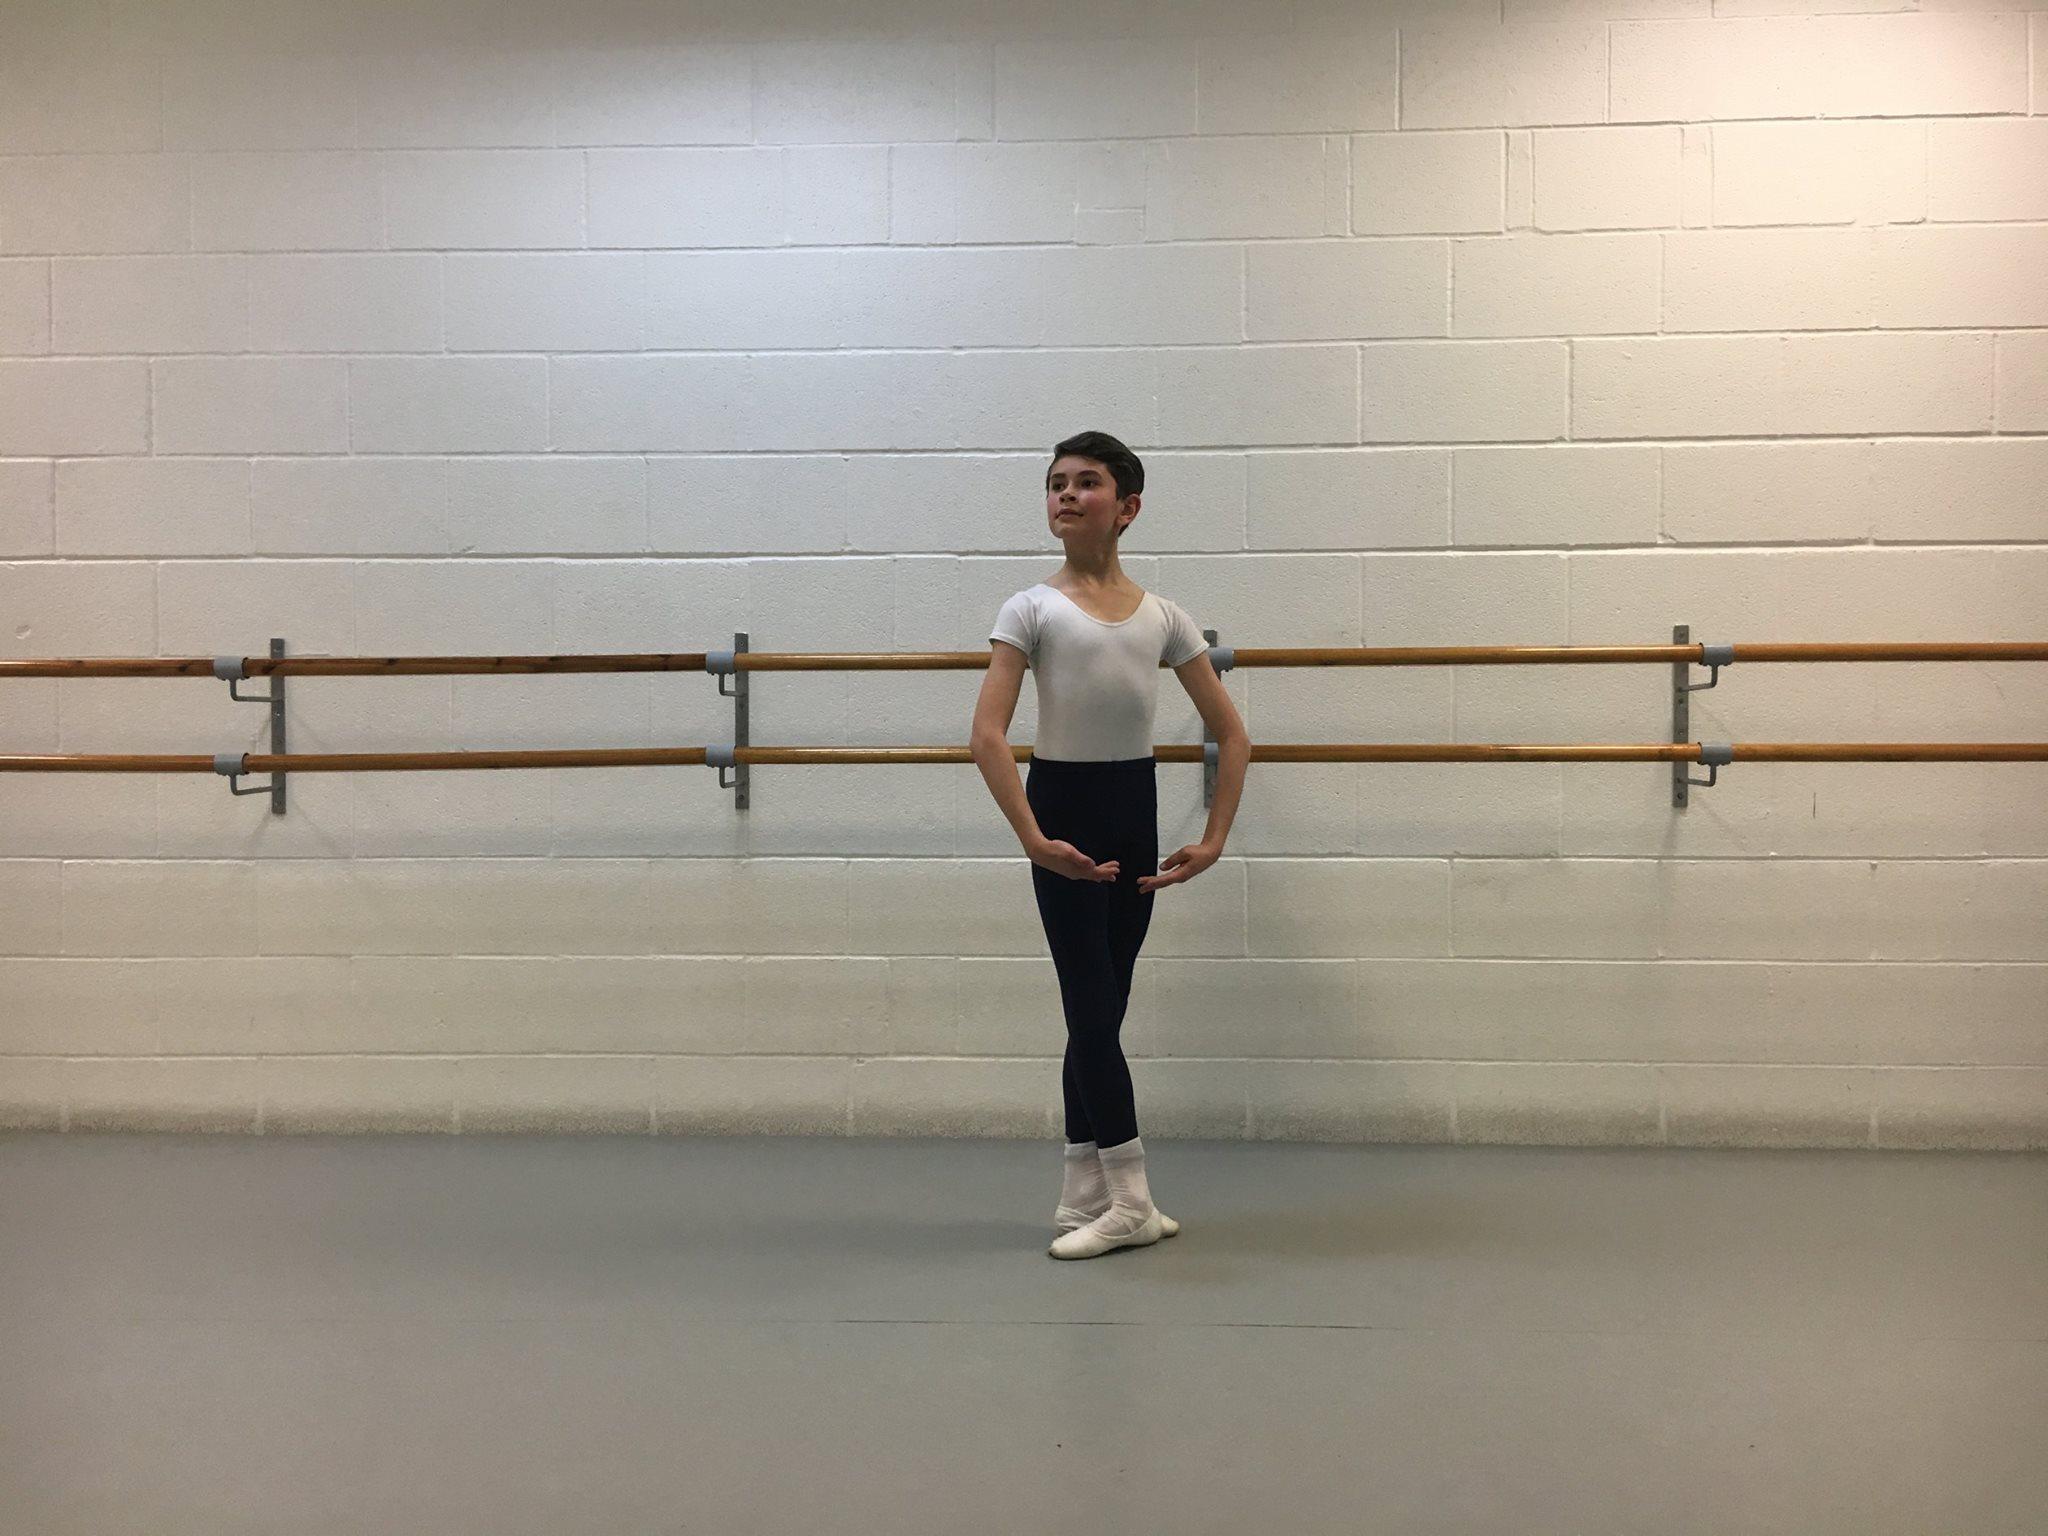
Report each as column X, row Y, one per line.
column 1130, row 1196
column 1085, row 1189
column 1131, row 1217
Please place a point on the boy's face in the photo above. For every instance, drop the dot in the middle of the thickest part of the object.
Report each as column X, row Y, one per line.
column 1081, row 501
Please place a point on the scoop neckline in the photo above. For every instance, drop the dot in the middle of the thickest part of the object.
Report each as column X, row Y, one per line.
column 1105, row 623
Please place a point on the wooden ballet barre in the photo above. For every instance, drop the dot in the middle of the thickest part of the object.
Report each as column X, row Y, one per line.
column 1302, row 752
column 964, row 661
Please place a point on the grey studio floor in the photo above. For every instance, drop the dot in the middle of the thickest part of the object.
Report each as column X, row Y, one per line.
column 505, row 1334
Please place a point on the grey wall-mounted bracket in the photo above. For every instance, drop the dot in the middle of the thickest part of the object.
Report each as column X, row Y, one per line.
column 232, row 670
column 1716, row 755
column 1714, row 658
column 724, row 664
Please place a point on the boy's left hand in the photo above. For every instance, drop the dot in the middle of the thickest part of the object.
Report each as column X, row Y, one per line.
column 1182, row 865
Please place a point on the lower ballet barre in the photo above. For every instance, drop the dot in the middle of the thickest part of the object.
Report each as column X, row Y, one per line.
column 233, row 766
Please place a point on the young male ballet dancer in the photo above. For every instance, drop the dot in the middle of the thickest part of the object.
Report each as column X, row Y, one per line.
column 1088, row 816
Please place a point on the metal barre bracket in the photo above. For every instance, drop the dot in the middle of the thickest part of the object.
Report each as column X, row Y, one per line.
column 723, row 664
column 722, row 757
column 1682, row 690
column 232, row 670
column 1716, row 755
column 229, row 765
column 1713, row 658
column 1221, row 657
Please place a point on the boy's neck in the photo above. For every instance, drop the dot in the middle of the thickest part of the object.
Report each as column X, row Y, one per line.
column 1104, row 573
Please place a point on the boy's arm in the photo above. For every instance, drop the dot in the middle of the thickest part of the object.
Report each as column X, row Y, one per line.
column 990, row 740
column 1234, row 747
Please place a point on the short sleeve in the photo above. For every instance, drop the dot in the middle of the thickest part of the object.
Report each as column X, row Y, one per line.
column 1184, row 640
column 1017, row 624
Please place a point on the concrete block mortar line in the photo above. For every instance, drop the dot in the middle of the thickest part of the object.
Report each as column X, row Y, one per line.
column 1571, row 383
column 1663, row 291
column 1451, row 263
column 1663, row 529
column 1358, row 422
column 1351, row 176
column 2037, row 41
column 1397, row 76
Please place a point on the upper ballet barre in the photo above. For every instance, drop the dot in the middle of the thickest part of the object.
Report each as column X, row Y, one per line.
column 942, row 661
column 738, row 756
column 1277, row 752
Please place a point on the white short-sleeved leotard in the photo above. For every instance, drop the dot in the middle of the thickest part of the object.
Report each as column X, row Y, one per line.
column 1098, row 682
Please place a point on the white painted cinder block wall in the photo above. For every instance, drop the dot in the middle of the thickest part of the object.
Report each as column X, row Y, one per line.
column 492, row 328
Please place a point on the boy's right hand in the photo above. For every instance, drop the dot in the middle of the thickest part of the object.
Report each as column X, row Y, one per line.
column 1065, row 859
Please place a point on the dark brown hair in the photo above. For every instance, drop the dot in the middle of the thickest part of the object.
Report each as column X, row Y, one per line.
column 1122, row 464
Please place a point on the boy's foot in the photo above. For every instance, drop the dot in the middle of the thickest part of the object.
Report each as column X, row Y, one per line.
column 1066, row 1218
column 1115, row 1228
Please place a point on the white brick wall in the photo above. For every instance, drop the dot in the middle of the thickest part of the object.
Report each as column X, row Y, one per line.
column 1427, row 183
column 1545, row 321
column 1605, row 178
column 27, row 507
column 152, row 304
column 24, row 308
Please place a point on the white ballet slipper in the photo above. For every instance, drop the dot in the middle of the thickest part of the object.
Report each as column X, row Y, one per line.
column 1067, row 1218
column 1117, row 1227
